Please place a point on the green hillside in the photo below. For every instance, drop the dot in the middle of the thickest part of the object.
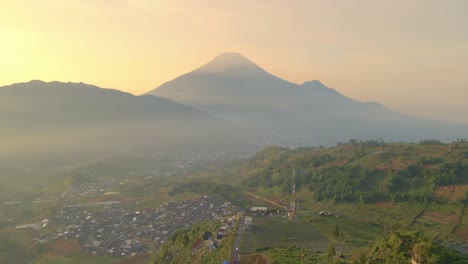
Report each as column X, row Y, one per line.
column 375, row 189
column 188, row 246
column 364, row 172
column 401, row 247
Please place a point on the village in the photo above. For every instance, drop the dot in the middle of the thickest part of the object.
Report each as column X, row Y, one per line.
column 119, row 230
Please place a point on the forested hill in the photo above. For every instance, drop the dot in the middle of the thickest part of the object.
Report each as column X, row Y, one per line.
column 368, row 171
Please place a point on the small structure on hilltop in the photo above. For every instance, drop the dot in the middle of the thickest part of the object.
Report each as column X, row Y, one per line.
column 221, row 232
column 322, row 213
column 207, row 235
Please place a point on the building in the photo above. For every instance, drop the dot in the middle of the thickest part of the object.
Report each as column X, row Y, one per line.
column 257, row 209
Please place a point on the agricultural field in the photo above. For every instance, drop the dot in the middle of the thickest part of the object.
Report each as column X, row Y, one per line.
column 352, row 234
column 306, row 239
column 451, row 193
column 462, row 229
column 280, row 255
column 401, row 215
column 280, row 232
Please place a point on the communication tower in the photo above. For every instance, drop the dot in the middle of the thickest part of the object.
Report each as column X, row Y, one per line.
column 292, row 205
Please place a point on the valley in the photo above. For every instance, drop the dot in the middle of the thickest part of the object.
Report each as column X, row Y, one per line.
column 233, row 132
column 125, row 217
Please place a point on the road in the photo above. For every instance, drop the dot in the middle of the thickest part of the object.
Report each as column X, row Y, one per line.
column 266, row 200
column 236, row 247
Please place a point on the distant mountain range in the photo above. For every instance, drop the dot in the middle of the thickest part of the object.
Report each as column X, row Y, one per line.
column 230, row 104
column 48, row 123
column 234, row 88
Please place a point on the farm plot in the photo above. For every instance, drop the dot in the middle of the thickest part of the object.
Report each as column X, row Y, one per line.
column 280, row 232
column 462, row 229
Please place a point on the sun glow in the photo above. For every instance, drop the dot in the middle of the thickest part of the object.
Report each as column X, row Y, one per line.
column 369, row 51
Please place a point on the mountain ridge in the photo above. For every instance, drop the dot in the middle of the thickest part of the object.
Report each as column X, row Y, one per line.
column 56, row 122
column 294, row 114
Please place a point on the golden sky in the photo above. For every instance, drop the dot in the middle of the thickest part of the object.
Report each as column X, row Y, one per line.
column 409, row 55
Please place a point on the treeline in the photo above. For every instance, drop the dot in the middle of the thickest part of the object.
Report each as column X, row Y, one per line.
column 221, row 191
column 372, row 142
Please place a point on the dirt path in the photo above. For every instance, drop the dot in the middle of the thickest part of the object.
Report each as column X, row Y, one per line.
column 265, row 200
column 235, row 248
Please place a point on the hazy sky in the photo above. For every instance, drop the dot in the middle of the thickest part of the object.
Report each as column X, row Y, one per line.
column 409, row 55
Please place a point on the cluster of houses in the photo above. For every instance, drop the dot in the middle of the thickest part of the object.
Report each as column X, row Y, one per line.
column 119, row 230
column 209, row 240
column 89, row 188
column 190, row 158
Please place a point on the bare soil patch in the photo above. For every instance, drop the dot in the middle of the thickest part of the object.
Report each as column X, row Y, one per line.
column 62, row 248
column 451, row 193
column 265, row 200
column 440, row 217
column 462, row 232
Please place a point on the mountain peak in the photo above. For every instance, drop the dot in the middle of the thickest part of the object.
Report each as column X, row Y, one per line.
column 314, row 83
column 228, row 61
column 318, row 86
column 36, row 82
column 231, row 57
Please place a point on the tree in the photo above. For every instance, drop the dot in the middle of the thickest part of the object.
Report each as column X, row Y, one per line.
column 336, row 231
column 185, row 240
column 394, row 183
